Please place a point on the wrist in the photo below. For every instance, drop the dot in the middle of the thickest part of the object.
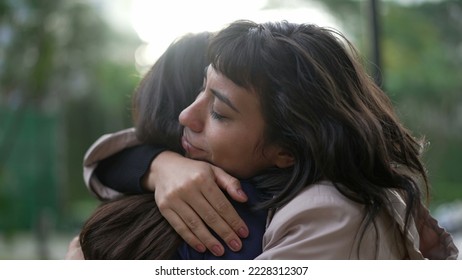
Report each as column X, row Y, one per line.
column 150, row 179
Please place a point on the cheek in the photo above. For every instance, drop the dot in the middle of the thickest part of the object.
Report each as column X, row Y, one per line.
column 235, row 152
column 226, row 146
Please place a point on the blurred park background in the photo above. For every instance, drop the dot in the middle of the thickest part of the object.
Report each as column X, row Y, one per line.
column 68, row 68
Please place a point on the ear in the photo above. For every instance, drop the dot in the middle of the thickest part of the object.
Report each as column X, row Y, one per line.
column 284, row 158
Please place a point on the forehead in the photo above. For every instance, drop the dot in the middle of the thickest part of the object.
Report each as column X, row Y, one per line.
column 212, row 73
column 245, row 100
column 218, row 80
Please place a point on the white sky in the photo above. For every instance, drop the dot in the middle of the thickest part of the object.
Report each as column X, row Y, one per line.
column 159, row 22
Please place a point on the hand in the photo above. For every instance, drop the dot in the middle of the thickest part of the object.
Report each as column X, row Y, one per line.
column 74, row 251
column 188, row 194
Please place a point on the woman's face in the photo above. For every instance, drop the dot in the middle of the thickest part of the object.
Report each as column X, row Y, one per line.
column 225, row 126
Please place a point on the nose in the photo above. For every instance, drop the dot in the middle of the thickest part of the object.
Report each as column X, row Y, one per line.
column 192, row 116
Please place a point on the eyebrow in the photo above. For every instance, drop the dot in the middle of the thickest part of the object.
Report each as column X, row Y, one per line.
column 224, row 99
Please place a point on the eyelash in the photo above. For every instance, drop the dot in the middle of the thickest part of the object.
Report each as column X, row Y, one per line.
column 213, row 114
column 216, row 116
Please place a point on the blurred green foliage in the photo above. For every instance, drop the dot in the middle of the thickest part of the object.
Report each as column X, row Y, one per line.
column 66, row 78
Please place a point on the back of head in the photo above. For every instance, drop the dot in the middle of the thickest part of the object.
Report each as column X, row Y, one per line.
column 320, row 104
column 171, row 85
column 132, row 227
column 128, row 228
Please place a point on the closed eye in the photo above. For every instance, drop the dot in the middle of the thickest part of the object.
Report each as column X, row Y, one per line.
column 216, row 116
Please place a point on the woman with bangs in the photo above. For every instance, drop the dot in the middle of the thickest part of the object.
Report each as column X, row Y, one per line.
column 289, row 108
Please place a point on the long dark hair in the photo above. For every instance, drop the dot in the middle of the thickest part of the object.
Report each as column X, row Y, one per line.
column 171, row 85
column 128, row 228
column 320, row 105
column 132, row 227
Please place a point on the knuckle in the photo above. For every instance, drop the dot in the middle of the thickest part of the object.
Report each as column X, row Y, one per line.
column 193, row 224
column 185, row 234
column 162, row 204
column 208, row 241
column 223, row 206
column 233, row 181
column 211, row 218
column 199, row 178
column 235, row 223
column 227, row 235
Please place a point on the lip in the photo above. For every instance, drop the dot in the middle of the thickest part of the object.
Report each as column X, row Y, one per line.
column 188, row 147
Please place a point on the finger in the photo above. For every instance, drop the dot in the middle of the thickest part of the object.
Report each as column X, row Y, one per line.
column 223, row 207
column 230, row 184
column 183, row 231
column 74, row 252
column 192, row 230
column 212, row 218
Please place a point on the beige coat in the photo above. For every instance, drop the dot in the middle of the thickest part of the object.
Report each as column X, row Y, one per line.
column 319, row 223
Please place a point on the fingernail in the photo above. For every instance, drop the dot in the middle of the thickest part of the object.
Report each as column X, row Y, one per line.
column 234, row 245
column 200, row 248
column 217, row 250
column 243, row 232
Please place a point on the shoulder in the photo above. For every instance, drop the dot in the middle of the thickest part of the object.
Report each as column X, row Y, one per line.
column 109, row 144
column 322, row 196
column 104, row 147
column 319, row 223
column 322, row 223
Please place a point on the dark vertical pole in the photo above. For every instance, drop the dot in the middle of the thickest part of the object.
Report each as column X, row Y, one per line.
column 375, row 35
